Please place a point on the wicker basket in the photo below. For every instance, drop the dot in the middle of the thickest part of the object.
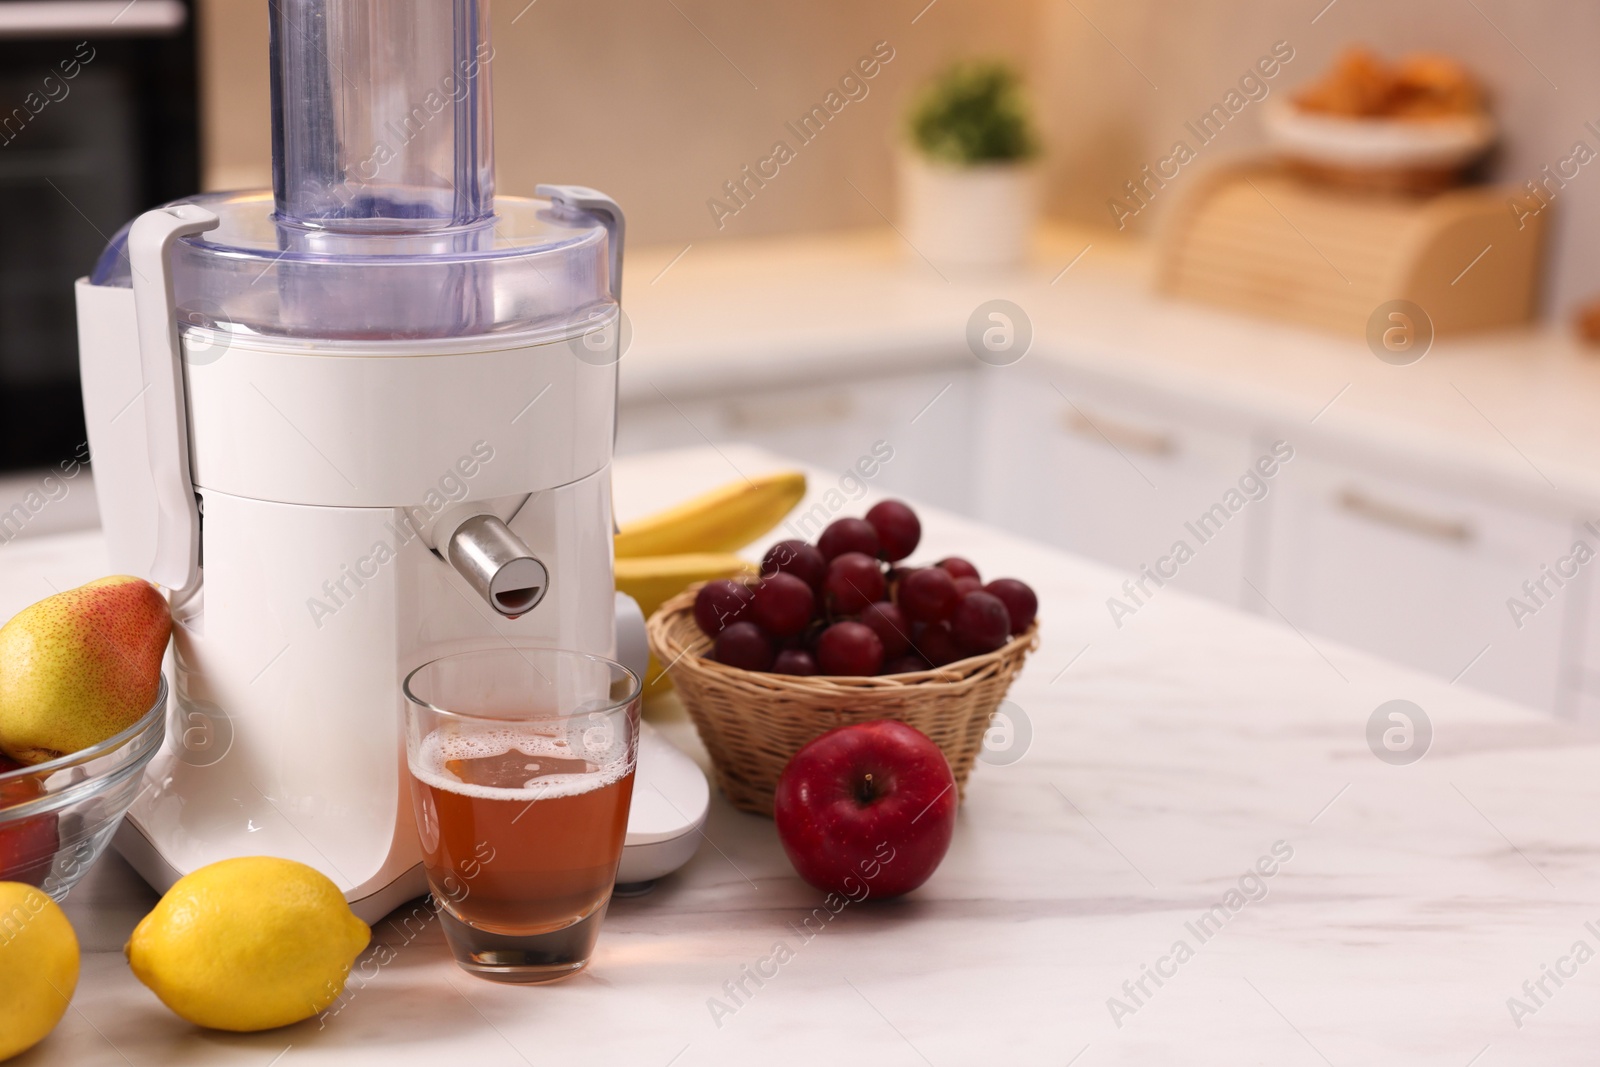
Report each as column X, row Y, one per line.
column 752, row 723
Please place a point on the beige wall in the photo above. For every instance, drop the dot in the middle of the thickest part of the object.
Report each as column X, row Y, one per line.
column 627, row 96
column 235, row 150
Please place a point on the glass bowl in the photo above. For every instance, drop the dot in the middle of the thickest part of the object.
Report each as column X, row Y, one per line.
column 57, row 817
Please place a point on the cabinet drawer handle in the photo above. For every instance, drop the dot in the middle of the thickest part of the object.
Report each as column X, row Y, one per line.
column 1119, row 434
column 786, row 413
column 1459, row 531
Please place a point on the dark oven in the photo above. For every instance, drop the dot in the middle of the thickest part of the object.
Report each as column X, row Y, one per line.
column 98, row 121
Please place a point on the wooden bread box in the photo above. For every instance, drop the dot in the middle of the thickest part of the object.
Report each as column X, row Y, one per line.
column 1261, row 240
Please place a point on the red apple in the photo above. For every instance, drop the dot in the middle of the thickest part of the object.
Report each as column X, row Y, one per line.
column 27, row 846
column 870, row 806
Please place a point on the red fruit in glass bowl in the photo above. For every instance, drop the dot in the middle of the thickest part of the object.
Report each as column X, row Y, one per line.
column 957, row 567
column 890, row 624
column 783, row 605
column 27, row 846
column 1022, row 604
column 966, row 584
column 745, row 646
column 854, row 581
column 867, row 810
column 898, row 528
column 796, row 661
column 927, row 595
column 848, row 535
column 981, row 623
column 849, row 649
column 720, row 603
column 937, row 644
column 796, row 558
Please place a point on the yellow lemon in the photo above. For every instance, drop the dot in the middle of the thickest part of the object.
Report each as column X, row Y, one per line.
column 248, row 944
column 38, row 966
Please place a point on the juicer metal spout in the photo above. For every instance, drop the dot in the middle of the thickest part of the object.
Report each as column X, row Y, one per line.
column 498, row 564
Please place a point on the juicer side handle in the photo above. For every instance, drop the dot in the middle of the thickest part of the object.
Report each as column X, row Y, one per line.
column 176, row 563
column 596, row 203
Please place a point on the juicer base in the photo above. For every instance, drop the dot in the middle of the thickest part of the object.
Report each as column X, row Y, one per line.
column 132, row 844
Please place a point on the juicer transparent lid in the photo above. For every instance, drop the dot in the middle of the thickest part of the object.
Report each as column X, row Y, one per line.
column 533, row 265
column 382, row 223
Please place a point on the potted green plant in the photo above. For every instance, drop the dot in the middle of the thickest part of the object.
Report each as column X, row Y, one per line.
column 968, row 188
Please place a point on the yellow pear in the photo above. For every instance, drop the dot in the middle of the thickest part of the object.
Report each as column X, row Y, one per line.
column 81, row 666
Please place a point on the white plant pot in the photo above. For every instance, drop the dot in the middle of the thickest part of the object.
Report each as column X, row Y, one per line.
column 968, row 217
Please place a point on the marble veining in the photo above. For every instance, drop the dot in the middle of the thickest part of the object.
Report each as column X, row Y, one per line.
column 1165, row 762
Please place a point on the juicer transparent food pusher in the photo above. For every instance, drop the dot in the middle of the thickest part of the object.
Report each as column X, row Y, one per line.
column 352, row 423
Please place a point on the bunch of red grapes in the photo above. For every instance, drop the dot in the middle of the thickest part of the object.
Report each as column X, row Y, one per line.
column 845, row 606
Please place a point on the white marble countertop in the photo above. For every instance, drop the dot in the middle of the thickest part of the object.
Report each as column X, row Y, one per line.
column 1516, row 407
column 1166, row 759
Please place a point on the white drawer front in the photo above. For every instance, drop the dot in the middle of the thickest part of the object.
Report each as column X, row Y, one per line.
column 1422, row 576
column 924, row 418
column 1117, row 481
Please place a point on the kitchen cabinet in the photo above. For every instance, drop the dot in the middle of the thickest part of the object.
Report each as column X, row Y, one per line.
column 1421, row 575
column 1395, row 559
column 925, row 418
column 1115, row 476
column 1584, row 628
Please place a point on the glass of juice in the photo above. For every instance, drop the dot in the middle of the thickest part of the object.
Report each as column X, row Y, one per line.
column 521, row 764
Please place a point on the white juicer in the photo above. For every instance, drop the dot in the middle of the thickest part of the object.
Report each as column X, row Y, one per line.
column 351, row 424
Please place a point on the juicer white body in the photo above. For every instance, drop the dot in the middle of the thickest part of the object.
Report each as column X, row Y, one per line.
column 328, row 477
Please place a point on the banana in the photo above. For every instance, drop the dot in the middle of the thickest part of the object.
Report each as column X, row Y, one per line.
column 725, row 519
column 659, row 556
column 653, row 580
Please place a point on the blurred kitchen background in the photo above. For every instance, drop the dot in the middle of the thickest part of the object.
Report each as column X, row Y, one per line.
column 1149, row 355
column 661, row 102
